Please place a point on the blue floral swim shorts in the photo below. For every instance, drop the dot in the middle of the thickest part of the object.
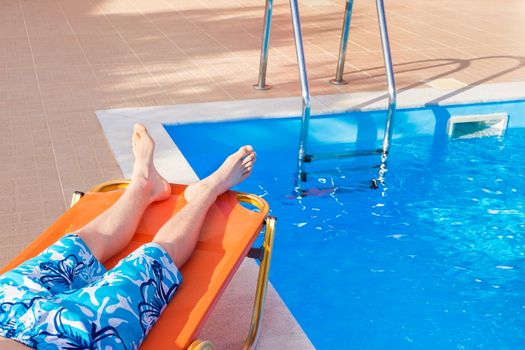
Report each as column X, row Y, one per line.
column 65, row 299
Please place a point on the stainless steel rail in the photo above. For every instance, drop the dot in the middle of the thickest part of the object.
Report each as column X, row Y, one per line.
column 338, row 80
column 305, row 94
column 261, row 83
column 385, row 45
column 302, row 155
column 392, row 98
column 387, row 57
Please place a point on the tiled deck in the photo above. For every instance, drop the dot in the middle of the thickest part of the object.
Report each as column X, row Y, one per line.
column 60, row 60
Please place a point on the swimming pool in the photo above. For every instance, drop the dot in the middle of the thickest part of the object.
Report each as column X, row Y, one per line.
column 433, row 260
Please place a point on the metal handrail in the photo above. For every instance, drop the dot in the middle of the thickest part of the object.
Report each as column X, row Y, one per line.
column 338, row 80
column 305, row 94
column 385, row 45
column 261, row 83
column 392, row 98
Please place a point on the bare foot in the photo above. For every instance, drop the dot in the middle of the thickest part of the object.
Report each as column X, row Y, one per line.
column 145, row 177
column 235, row 169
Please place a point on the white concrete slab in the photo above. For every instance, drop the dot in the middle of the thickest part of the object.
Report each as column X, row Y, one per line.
column 118, row 126
column 228, row 325
column 291, row 106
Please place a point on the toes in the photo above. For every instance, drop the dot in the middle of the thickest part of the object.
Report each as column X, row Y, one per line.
column 248, row 163
column 144, row 134
column 244, row 150
column 247, row 172
column 139, row 128
column 140, row 132
column 249, row 158
column 242, row 153
column 136, row 133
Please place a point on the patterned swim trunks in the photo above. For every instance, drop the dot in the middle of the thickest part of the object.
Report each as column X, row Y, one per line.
column 65, row 299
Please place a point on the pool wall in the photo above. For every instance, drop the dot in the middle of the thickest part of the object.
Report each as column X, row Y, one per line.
column 329, row 133
column 366, row 129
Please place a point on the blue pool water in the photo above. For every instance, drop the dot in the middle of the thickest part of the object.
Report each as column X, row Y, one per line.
column 433, row 260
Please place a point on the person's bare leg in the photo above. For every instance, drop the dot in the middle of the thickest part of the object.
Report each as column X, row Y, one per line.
column 9, row 344
column 179, row 235
column 110, row 232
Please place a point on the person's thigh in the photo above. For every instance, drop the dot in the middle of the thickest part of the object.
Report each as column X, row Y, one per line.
column 25, row 290
column 66, row 265
column 119, row 309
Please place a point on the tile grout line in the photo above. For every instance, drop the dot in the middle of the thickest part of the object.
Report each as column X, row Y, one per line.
column 226, row 49
column 133, row 52
column 76, row 39
column 192, row 62
column 42, row 103
column 258, row 38
column 83, row 54
column 447, row 32
column 466, row 13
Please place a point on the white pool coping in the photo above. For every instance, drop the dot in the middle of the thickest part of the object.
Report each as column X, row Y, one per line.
column 117, row 125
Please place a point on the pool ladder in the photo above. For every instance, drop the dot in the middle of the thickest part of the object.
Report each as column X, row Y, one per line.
column 303, row 156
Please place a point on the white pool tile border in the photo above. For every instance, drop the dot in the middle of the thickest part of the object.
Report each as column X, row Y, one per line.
column 117, row 124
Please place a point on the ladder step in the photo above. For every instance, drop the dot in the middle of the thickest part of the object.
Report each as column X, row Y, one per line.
column 342, row 170
column 360, row 186
column 339, row 155
column 351, row 173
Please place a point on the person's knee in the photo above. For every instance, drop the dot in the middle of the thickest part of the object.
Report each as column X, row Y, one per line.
column 96, row 242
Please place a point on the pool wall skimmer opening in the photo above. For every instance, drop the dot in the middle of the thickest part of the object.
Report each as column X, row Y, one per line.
column 472, row 126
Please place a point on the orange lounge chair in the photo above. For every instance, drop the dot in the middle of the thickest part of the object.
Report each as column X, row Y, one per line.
column 227, row 236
